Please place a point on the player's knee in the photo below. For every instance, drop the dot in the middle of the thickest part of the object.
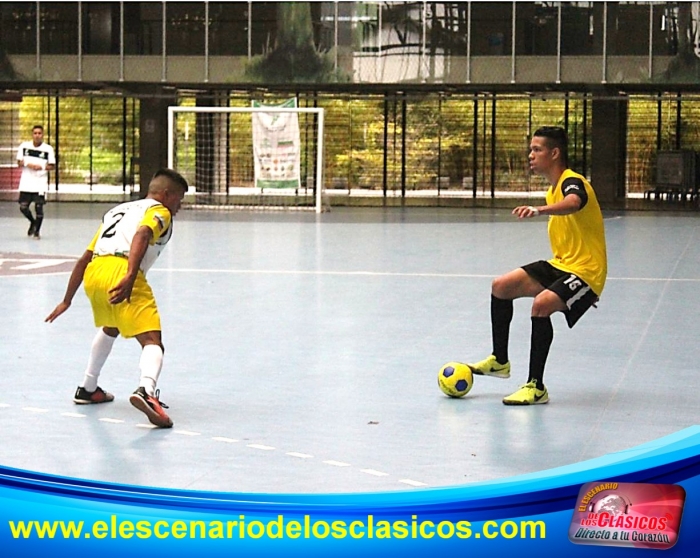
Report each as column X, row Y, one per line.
column 39, row 209
column 23, row 207
column 501, row 287
column 546, row 304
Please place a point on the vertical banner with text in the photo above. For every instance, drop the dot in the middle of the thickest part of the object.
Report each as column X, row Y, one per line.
column 276, row 147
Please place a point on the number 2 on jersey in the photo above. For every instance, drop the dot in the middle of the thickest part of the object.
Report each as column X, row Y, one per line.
column 110, row 231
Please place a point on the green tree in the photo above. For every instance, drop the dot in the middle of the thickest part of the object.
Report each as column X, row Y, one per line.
column 294, row 58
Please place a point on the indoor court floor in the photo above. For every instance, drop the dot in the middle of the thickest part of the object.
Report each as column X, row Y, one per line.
column 302, row 351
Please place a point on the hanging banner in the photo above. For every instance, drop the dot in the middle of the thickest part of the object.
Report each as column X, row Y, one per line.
column 276, row 147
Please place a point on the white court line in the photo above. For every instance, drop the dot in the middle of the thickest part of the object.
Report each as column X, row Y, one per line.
column 299, row 455
column 337, row 463
column 374, row 473
column 35, row 274
column 609, row 400
column 412, row 482
column 318, row 272
column 394, row 274
column 260, row 447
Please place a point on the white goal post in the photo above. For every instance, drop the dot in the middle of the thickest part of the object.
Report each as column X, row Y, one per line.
column 228, row 179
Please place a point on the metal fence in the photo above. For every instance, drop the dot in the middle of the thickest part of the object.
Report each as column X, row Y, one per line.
column 397, row 144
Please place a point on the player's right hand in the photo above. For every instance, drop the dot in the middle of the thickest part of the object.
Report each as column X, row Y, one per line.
column 61, row 307
column 122, row 290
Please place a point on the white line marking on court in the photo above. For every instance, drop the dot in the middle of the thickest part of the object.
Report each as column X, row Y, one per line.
column 336, row 463
column 20, row 275
column 610, row 399
column 412, row 482
column 298, row 455
column 37, row 264
column 260, row 447
column 374, row 473
column 318, row 272
column 397, row 274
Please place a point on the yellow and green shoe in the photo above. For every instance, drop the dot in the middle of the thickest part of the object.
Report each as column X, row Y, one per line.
column 528, row 395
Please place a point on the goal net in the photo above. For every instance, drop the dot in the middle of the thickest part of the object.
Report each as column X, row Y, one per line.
column 227, row 165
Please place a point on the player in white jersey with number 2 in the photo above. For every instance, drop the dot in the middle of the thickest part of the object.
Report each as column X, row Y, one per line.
column 113, row 268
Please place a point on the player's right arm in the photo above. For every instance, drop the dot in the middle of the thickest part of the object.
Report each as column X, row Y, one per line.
column 75, row 280
column 122, row 290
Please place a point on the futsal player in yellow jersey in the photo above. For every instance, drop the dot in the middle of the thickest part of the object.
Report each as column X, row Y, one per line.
column 113, row 269
column 570, row 282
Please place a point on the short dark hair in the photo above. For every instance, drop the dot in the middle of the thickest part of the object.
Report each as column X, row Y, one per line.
column 556, row 137
column 174, row 176
column 39, row 126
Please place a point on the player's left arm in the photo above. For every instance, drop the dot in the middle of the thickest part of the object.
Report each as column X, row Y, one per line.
column 51, row 163
column 575, row 199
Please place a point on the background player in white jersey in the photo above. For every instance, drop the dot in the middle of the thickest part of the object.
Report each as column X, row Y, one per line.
column 114, row 267
column 36, row 159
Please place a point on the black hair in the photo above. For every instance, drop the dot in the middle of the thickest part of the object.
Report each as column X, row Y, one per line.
column 555, row 137
column 174, row 176
column 38, row 126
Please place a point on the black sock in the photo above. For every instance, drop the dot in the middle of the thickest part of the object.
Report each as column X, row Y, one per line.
column 540, row 341
column 28, row 214
column 501, row 316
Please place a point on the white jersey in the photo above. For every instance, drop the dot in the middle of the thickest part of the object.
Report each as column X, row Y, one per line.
column 119, row 225
column 36, row 181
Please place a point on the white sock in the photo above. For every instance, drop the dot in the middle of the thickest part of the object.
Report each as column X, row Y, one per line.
column 101, row 347
column 150, row 364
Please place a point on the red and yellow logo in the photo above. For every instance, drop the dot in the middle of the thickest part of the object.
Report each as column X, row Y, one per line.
column 634, row 515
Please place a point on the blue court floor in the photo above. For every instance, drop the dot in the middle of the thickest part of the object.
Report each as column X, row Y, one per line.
column 302, row 351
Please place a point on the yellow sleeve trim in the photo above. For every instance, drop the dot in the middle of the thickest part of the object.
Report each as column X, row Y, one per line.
column 91, row 246
column 157, row 218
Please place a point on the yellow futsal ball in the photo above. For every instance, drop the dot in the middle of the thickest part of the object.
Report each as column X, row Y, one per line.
column 455, row 379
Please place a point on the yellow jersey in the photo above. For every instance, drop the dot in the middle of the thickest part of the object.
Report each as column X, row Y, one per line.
column 578, row 239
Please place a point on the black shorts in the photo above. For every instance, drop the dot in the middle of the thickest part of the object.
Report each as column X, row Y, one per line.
column 573, row 290
column 29, row 197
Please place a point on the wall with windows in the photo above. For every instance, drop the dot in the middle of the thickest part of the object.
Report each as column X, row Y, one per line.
column 364, row 42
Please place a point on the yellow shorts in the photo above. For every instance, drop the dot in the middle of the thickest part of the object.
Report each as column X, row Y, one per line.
column 131, row 318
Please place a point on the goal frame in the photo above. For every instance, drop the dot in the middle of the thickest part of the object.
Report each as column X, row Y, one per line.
column 318, row 179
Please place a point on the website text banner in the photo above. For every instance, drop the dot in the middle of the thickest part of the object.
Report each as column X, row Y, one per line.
column 46, row 515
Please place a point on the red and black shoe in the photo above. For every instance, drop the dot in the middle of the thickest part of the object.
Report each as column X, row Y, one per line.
column 152, row 407
column 85, row 397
